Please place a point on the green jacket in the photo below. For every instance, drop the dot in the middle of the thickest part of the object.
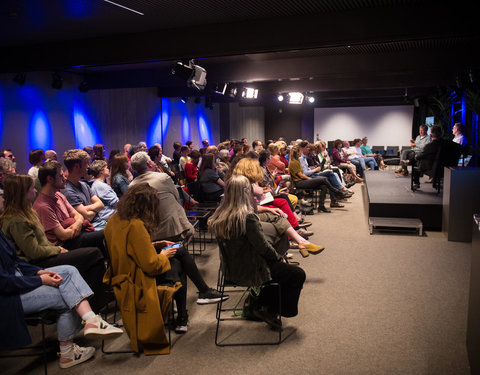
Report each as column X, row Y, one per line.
column 29, row 240
column 246, row 259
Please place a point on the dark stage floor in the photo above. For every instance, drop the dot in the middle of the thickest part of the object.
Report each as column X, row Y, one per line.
column 390, row 196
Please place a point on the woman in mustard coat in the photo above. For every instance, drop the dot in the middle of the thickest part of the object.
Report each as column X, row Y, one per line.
column 135, row 268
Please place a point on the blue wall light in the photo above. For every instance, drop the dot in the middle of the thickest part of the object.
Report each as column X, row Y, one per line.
column 203, row 127
column 185, row 129
column 40, row 131
column 155, row 131
column 78, row 8
column 85, row 133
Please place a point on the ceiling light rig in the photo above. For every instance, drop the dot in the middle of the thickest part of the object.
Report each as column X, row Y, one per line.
column 296, row 98
column 195, row 75
column 124, row 7
column 250, row 93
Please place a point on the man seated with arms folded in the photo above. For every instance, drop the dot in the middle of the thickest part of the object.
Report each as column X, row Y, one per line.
column 63, row 225
column 369, row 160
column 356, row 159
column 367, row 151
column 78, row 193
column 408, row 156
column 175, row 225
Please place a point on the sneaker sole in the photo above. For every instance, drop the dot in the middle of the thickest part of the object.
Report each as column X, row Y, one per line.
column 77, row 362
column 204, row 301
column 181, row 331
column 98, row 334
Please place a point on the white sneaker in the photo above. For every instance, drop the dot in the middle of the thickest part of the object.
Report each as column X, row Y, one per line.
column 304, row 202
column 75, row 356
column 97, row 328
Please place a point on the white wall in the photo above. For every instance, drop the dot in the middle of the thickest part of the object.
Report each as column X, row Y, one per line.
column 387, row 126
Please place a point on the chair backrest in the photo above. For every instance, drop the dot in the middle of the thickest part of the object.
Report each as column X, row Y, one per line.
column 392, row 150
column 378, row 149
column 405, row 148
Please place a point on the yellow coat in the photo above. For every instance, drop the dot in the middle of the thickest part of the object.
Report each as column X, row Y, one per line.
column 134, row 265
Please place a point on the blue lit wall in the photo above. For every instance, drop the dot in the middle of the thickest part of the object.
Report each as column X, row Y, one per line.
column 37, row 116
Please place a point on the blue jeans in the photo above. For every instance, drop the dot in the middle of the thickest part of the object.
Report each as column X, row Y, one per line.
column 360, row 164
column 370, row 161
column 71, row 291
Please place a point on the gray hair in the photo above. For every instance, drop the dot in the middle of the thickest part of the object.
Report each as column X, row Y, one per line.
column 139, row 162
column 223, row 154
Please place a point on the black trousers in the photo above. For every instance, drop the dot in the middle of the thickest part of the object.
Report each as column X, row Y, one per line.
column 90, row 263
column 87, row 239
column 317, row 183
column 291, row 279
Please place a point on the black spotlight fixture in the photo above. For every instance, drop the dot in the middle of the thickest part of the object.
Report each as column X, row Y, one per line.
column 57, row 81
column 19, row 78
column 83, row 87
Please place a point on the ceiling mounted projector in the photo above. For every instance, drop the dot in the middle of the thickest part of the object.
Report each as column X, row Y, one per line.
column 195, row 75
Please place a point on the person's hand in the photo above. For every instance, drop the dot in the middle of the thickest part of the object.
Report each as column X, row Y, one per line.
column 169, row 253
column 277, row 211
column 62, row 250
column 162, row 244
column 267, row 189
column 49, row 277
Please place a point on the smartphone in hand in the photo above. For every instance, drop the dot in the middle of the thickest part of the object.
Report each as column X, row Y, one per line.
column 174, row 246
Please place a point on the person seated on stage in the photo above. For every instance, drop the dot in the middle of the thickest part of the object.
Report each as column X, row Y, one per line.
column 408, row 156
column 250, row 168
column 120, row 174
column 211, row 184
column 248, row 257
column 367, row 151
column 440, row 151
column 78, row 193
column 340, row 160
column 21, row 225
column 457, row 131
column 36, row 158
column 191, row 169
column 174, row 225
column 369, row 160
column 28, row 289
column 101, row 189
column 135, row 263
column 223, row 163
column 63, row 225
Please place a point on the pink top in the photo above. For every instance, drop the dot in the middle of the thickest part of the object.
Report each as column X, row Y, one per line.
column 52, row 211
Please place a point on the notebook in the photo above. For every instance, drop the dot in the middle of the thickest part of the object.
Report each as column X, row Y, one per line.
column 268, row 199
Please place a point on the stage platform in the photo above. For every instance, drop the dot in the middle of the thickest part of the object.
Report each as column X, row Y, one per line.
column 389, row 195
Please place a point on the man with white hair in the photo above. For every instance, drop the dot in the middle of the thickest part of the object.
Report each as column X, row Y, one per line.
column 174, row 225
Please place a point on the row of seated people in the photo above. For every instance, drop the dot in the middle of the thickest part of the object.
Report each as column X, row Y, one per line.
column 73, row 223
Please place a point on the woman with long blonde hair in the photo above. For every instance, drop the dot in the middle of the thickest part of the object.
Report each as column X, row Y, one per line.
column 248, row 257
column 251, row 169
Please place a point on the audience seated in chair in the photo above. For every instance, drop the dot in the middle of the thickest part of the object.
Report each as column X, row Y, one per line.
column 27, row 289
column 135, row 264
column 21, row 225
column 120, row 174
column 211, row 184
column 249, row 259
column 340, row 160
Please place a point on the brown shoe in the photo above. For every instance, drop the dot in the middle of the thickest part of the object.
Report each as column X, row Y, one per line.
column 359, row 179
column 335, row 204
column 399, row 170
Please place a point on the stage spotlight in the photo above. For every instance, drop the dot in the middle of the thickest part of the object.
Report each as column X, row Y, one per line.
column 57, row 81
column 195, row 75
column 280, row 98
column 83, row 87
column 184, row 99
column 295, row 98
column 198, row 100
column 19, row 78
column 310, row 99
column 220, row 88
column 231, row 91
column 250, row 93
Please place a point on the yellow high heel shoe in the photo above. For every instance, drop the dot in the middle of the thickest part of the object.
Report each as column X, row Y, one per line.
column 310, row 248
